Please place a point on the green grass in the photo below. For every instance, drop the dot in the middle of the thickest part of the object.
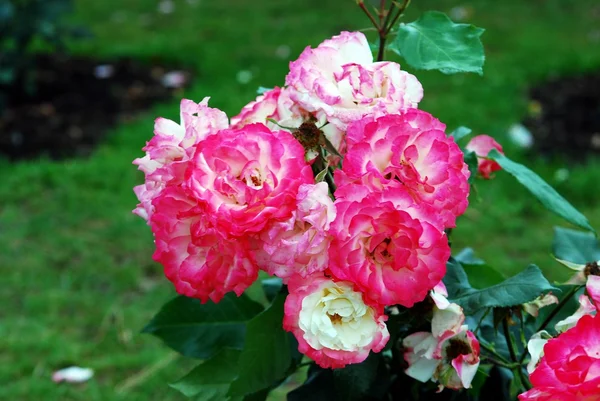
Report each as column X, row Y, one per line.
column 78, row 279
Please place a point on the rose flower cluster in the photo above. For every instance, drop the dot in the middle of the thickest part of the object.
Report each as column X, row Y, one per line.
column 226, row 199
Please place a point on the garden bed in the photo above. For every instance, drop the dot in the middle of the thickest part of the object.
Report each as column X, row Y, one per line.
column 565, row 116
column 72, row 102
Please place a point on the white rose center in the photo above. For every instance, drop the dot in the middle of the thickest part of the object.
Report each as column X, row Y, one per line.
column 336, row 317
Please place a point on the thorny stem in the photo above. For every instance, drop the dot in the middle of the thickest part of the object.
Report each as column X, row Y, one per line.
column 513, row 353
column 552, row 314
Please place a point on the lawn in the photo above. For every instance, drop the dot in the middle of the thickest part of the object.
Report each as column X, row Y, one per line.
column 78, row 279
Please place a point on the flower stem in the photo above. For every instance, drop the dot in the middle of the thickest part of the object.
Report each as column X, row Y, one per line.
column 497, row 358
column 386, row 21
column 362, row 6
column 513, row 354
column 401, row 8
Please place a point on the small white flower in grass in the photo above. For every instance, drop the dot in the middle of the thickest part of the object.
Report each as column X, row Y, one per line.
column 73, row 374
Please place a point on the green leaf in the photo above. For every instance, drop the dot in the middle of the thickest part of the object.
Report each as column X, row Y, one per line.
column 541, row 190
column 356, row 382
column 271, row 287
column 467, row 257
column 480, row 274
column 201, row 330
column 266, row 356
column 434, row 42
column 516, row 290
column 460, row 133
column 317, row 387
column 575, row 246
column 7, row 11
column 353, row 382
column 321, row 176
column 211, row 379
column 472, row 163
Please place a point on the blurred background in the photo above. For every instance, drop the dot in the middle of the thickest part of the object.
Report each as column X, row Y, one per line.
column 81, row 83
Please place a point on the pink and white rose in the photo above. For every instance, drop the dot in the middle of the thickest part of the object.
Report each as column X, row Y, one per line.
column 340, row 79
column 408, row 151
column 259, row 111
column 569, row 369
column 246, row 178
column 277, row 104
column 171, row 148
column 335, row 324
column 390, row 247
column 299, row 245
column 199, row 261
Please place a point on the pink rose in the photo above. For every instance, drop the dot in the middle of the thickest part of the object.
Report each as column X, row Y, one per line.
column 408, row 151
column 196, row 258
column 247, row 178
column 335, row 325
column 390, row 247
column 171, row 148
column 569, row 370
column 340, row 79
column 299, row 245
column 481, row 145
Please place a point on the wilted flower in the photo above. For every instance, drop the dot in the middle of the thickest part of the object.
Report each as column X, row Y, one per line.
column 533, row 307
column 448, row 355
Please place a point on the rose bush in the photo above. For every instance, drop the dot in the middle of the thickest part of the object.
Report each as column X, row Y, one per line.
column 314, row 228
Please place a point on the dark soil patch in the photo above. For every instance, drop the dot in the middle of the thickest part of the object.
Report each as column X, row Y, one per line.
column 75, row 100
column 565, row 117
